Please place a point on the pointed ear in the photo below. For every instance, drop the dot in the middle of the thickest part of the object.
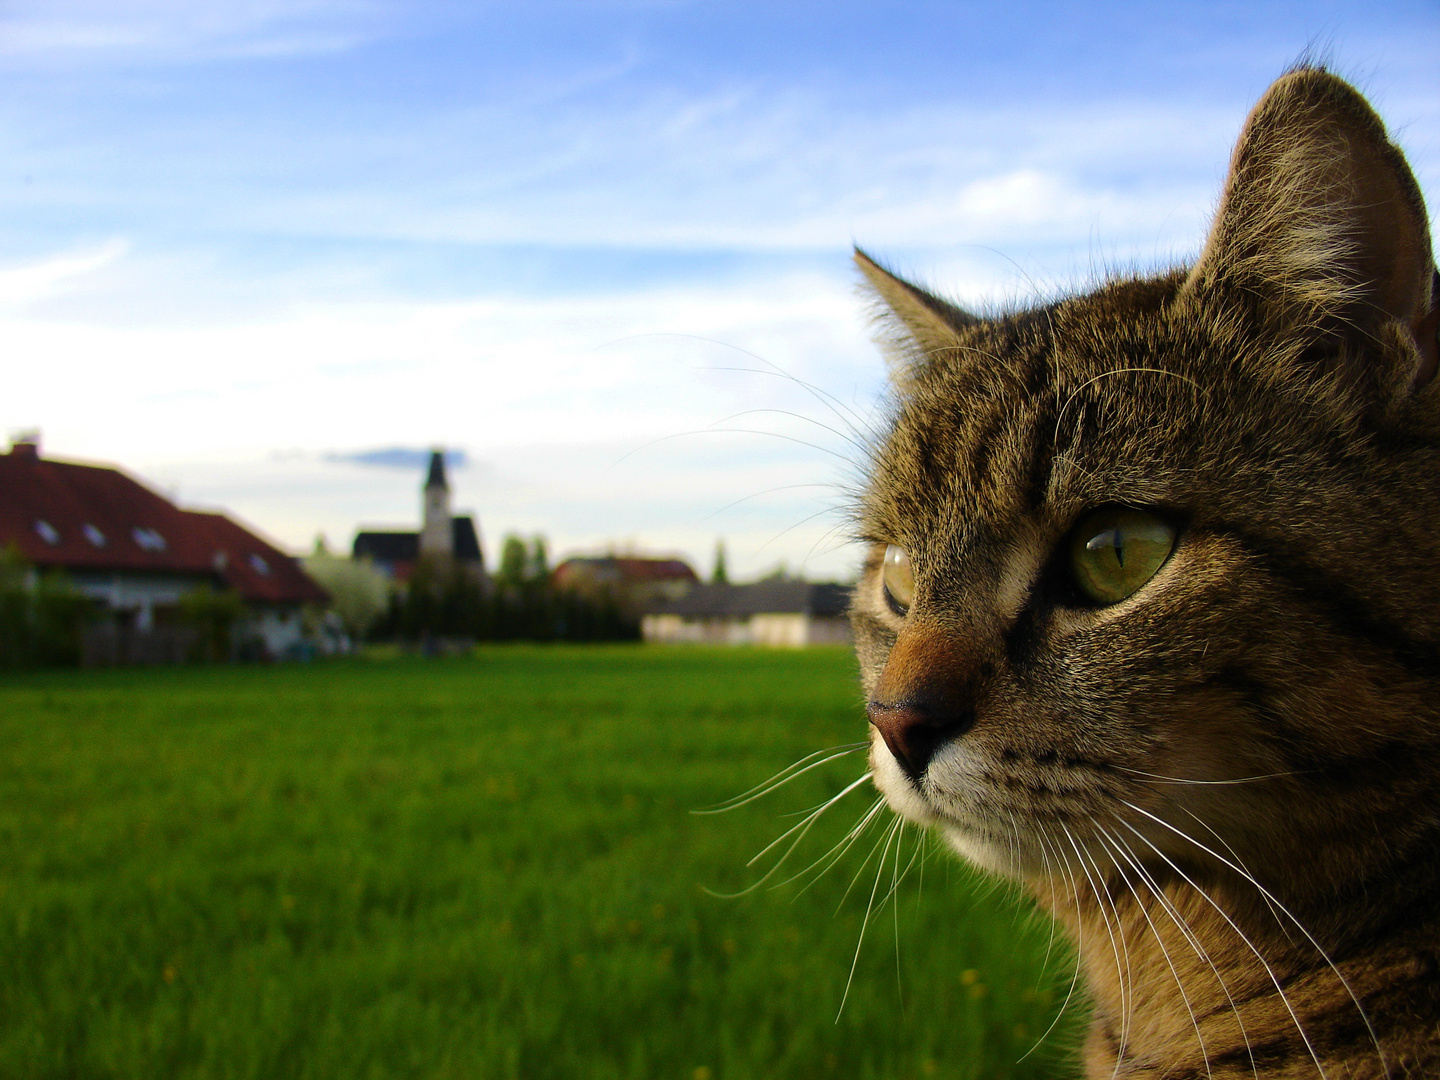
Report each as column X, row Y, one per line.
column 919, row 326
column 1322, row 217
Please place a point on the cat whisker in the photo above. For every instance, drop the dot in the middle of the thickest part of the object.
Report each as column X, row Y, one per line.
column 869, row 908
column 784, row 776
column 802, row 828
column 1123, row 975
column 789, row 529
column 1169, row 962
column 1124, row 850
column 896, row 877
column 884, row 839
column 1160, row 778
column 1079, row 950
column 1274, row 979
column 725, row 431
column 1285, row 927
column 761, row 495
column 836, row 852
column 849, row 438
column 1119, row 371
column 844, row 413
column 830, row 401
column 1283, row 909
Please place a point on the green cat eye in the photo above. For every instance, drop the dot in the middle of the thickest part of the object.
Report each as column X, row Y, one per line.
column 898, row 579
column 1115, row 551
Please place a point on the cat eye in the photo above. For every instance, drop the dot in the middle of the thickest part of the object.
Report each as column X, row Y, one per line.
column 898, row 579
column 1113, row 552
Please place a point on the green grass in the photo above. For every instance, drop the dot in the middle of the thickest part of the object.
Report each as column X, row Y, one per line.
column 478, row 867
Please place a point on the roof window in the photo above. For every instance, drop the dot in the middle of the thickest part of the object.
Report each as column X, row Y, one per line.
column 47, row 532
column 260, row 565
column 94, row 535
column 148, row 539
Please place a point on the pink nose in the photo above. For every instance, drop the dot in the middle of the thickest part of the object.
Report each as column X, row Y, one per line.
column 914, row 730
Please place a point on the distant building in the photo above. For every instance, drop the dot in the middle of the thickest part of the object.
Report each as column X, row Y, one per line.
column 773, row 613
column 638, row 584
column 443, row 538
column 136, row 554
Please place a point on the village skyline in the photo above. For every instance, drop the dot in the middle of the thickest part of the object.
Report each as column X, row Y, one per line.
column 601, row 248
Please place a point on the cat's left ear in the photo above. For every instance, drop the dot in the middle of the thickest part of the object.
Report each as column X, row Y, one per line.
column 1323, row 222
column 920, row 327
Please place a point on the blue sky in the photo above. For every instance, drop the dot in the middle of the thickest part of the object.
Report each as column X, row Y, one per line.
column 243, row 244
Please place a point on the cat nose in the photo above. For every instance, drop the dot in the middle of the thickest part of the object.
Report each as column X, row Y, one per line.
column 926, row 692
column 914, row 730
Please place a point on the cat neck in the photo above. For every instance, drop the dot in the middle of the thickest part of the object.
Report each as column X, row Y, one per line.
column 1183, row 977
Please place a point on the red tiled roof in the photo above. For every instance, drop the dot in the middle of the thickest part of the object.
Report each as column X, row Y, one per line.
column 93, row 518
column 624, row 569
column 258, row 571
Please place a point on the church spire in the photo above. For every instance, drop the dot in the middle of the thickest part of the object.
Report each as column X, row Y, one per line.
column 437, row 530
column 437, row 471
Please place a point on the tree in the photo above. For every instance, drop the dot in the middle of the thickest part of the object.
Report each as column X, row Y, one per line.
column 513, row 559
column 213, row 614
column 720, row 576
column 358, row 591
column 41, row 615
column 539, row 560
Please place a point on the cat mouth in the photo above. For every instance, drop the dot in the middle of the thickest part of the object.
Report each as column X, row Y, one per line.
column 1006, row 812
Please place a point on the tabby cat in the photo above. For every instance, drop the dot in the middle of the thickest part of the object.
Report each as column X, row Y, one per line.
column 1150, row 619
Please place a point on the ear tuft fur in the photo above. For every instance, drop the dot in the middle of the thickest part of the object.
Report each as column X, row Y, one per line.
column 915, row 326
column 1321, row 217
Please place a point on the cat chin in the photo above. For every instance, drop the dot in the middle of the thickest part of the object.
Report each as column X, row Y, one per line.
column 987, row 854
column 899, row 791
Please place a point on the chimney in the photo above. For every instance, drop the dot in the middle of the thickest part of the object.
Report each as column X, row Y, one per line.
column 25, row 446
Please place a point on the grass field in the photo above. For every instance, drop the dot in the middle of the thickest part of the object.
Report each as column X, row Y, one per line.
column 478, row 867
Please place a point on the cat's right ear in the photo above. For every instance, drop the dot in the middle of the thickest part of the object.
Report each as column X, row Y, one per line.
column 919, row 327
column 1323, row 222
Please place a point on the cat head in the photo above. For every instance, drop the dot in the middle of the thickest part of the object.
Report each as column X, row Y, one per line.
column 1161, row 559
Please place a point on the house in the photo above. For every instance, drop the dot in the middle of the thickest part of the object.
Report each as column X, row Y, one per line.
column 137, row 554
column 773, row 613
column 443, row 538
column 637, row 583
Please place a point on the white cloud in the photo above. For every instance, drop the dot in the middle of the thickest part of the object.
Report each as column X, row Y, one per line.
column 602, row 421
column 181, row 29
column 21, row 286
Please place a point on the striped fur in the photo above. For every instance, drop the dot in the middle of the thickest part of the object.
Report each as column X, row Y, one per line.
column 1227, row 786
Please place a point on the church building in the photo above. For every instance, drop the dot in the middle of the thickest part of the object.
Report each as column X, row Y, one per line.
column 443, row 539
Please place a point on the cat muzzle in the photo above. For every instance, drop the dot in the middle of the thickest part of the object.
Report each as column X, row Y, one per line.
column 913, row 732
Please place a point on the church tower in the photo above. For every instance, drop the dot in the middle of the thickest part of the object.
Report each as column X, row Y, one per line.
column 437, row 536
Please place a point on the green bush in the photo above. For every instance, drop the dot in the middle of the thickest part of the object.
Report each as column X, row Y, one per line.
column 41, row 615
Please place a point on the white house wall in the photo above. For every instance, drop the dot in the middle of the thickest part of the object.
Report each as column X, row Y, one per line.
column 140, row 593
column 782, row 631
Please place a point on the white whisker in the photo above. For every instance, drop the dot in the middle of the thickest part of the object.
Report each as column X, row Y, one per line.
column 1178, row 919
column 1169, row 962
column 802, row 827
column 784, row 776
column 869, row 907
column 1286, row 911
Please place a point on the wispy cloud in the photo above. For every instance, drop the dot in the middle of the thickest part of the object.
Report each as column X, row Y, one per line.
column 406, row 458
column 177, row 30
column 29, row 283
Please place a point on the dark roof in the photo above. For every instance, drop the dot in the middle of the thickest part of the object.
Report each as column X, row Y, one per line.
column 404, row 547
column 387, row 546
column 761, row 598
column 464, row 540
column 91, row 518
column 623, row 570
column 437, row 470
